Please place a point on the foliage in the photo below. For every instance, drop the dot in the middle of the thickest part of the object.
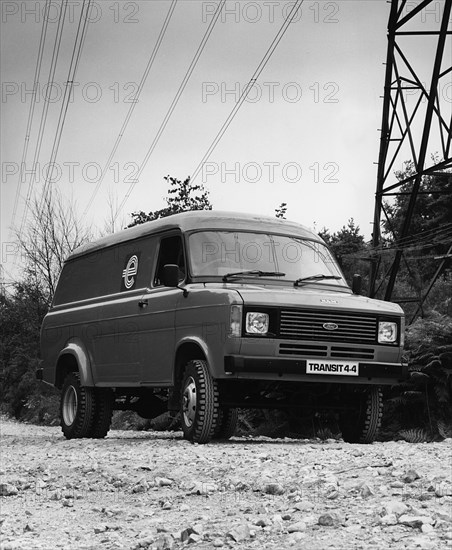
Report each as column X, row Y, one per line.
column 349, row 247
column 430, row 230
column 433, row 207
column 421, row 408
column 52, row 233
column 182, row 197
column 432, row 332
column 281, row 211
column 21, row 395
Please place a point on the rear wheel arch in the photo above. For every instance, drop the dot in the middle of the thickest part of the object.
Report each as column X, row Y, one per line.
column 73, row 358
column 66, row 364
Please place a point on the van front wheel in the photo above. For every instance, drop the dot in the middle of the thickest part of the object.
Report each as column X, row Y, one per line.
column 199, row 402
column 362, row 424
column 77, row 408
column 103, row 401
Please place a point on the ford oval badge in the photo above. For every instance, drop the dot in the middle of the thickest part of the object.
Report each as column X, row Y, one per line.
column 330, row 326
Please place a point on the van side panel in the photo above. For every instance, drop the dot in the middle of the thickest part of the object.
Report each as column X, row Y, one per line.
column 77, row 323
column 125, row 271
column 97, row 301
column 204, row 316
column 156, row 335
column 116, row 345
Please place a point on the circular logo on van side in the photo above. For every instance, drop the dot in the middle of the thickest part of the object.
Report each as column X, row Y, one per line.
column 130, row 271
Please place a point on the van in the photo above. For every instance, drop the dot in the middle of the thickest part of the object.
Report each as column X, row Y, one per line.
column 203, row 313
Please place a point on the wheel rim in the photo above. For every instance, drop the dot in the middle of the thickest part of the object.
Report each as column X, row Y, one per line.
column 189, row 402
column 70, row 404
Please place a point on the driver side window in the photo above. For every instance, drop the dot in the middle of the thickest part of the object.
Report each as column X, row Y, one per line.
column 171, row 252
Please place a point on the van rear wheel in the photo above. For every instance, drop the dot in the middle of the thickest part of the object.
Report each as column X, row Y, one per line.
column 77, row 408
column 362, row 423
column 199, row 402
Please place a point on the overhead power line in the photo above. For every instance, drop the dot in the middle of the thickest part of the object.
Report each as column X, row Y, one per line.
column 42, row 125
column 173, row 104
column 417, row 241
column 132, row 106
column 76, row 54
column 37, row 75
column 430, row 237
column 250, row 85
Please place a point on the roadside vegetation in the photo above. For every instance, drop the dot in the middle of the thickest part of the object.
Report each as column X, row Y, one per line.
column 419, row 410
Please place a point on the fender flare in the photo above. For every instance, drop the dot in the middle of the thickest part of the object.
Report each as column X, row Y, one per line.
column 77, row 349
column 200, row 343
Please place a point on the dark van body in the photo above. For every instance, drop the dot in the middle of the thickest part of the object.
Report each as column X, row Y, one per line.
column 205, row 312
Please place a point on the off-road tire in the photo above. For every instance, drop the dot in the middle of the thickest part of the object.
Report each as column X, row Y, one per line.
column 227, row 423
column 362, row 424
column 77, row 408
column 103, row 405
column 199, row 402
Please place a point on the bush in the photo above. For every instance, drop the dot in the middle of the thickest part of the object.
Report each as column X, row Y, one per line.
column 421, row 408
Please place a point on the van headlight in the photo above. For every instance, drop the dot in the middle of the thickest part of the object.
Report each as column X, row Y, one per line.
column 257, row 322
column 387, row 332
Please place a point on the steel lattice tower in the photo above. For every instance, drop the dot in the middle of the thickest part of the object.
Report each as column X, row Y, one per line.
column 416, row 122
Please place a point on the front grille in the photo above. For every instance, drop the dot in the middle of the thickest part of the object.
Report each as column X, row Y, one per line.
column 333, row 352
column 337, row 352
column 308, row 350
column 308, row 325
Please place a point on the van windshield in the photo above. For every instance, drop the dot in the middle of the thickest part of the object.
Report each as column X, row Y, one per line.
column 220, row 253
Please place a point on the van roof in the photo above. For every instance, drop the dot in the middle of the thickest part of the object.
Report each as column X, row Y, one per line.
column 200, row 220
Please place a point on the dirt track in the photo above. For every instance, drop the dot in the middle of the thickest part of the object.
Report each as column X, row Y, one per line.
column 155, row 490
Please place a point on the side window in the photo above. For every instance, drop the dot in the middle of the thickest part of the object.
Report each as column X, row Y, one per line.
column 171, row 252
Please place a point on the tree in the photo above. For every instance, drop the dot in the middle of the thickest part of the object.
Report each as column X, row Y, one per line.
column 280, row 212
column 21, row 315
column 430, row 232
column 433, row 208
column 52, row 233
column 349, row 248
column 182, row 196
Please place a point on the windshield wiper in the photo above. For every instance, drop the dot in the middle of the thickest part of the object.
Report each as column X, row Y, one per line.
column 255, row 272
column 318, row 277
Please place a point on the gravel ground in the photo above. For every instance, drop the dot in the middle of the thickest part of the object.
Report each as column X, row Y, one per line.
column 156, row 491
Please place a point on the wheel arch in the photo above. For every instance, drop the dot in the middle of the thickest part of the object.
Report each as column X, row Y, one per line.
column 74, row 358
column 188, row 350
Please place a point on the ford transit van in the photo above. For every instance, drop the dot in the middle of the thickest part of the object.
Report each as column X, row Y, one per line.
column 206, row 312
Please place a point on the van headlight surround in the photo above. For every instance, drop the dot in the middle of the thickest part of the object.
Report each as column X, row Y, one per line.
column 257, row 322
column 387, row 332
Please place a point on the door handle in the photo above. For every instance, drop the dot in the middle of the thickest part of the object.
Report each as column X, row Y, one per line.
column 143, row 303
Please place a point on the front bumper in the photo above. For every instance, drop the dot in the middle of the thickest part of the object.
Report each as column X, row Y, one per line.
column 295, row 369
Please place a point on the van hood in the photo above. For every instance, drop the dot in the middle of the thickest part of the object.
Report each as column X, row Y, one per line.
column 313, row 298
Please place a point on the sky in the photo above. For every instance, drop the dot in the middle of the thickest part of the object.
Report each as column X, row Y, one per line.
column 307, row 135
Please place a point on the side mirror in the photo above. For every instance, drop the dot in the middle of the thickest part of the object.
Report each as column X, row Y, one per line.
column 357, row 284
column 170, row 276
